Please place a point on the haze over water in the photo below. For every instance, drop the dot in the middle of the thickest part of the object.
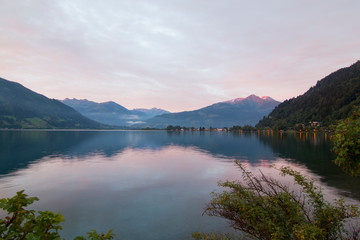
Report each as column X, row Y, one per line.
column 151, row 184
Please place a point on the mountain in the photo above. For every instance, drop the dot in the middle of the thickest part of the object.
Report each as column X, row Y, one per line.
column 22, row 108
column 332, row 98
column 112, row 113
column 240, row 111
column 152, row 112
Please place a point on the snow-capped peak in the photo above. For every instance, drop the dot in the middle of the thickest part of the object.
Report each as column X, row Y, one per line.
column 252, row 98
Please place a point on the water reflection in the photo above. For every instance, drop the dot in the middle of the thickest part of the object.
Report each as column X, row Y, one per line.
column 157, row 194
column 18, row 148
column 150, row 183
column 312, row 150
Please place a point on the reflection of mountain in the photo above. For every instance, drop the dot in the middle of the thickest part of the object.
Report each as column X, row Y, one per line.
column 21, row 148
column 226, row 146
column 312, row 150
column 304, row 150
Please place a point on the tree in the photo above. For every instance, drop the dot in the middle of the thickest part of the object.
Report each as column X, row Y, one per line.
column 21, row 223
column 281, row 125
column 264, row 208
column 248, row 128
column 300, row 127
column 347, row 143
column 235, row 128
column 169, row 128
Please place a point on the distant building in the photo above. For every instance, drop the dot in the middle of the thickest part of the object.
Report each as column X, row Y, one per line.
column 315, row 124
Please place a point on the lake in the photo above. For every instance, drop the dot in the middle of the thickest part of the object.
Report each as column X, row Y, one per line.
column 152, row 184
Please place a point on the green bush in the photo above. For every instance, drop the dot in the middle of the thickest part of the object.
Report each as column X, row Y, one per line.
column 265, row 208
column 20, row 223
column 346, row 141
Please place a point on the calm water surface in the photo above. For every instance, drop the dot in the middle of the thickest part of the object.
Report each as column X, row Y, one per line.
column 151, row 184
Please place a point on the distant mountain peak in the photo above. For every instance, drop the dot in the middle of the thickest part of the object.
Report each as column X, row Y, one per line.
column 253, row 98
column 75, row 100
column 112, row 103
column 239, row 111
column 267, row 98
column 111, row 112
column 236, row 100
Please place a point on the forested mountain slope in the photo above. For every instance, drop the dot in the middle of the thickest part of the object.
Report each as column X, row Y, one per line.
column 22, row 108
column 332, row 98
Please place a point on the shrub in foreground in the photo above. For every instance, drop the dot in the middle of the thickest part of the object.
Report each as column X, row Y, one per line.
column 265, row 208
column 346, row 141
column 21, row 223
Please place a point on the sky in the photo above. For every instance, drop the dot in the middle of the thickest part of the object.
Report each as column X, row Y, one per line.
column 175, row 54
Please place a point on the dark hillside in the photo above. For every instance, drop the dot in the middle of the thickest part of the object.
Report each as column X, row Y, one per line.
column 22, row 108
column 332, row 98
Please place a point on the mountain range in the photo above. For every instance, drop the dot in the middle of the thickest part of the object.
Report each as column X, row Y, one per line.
column 331, row 99
column 22, row 108
column 111, row 113
column 239, row 111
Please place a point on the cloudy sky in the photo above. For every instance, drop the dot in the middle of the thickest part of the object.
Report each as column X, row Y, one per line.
column 175, row 54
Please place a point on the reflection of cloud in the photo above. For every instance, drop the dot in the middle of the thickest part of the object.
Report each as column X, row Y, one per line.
column 172, row 182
